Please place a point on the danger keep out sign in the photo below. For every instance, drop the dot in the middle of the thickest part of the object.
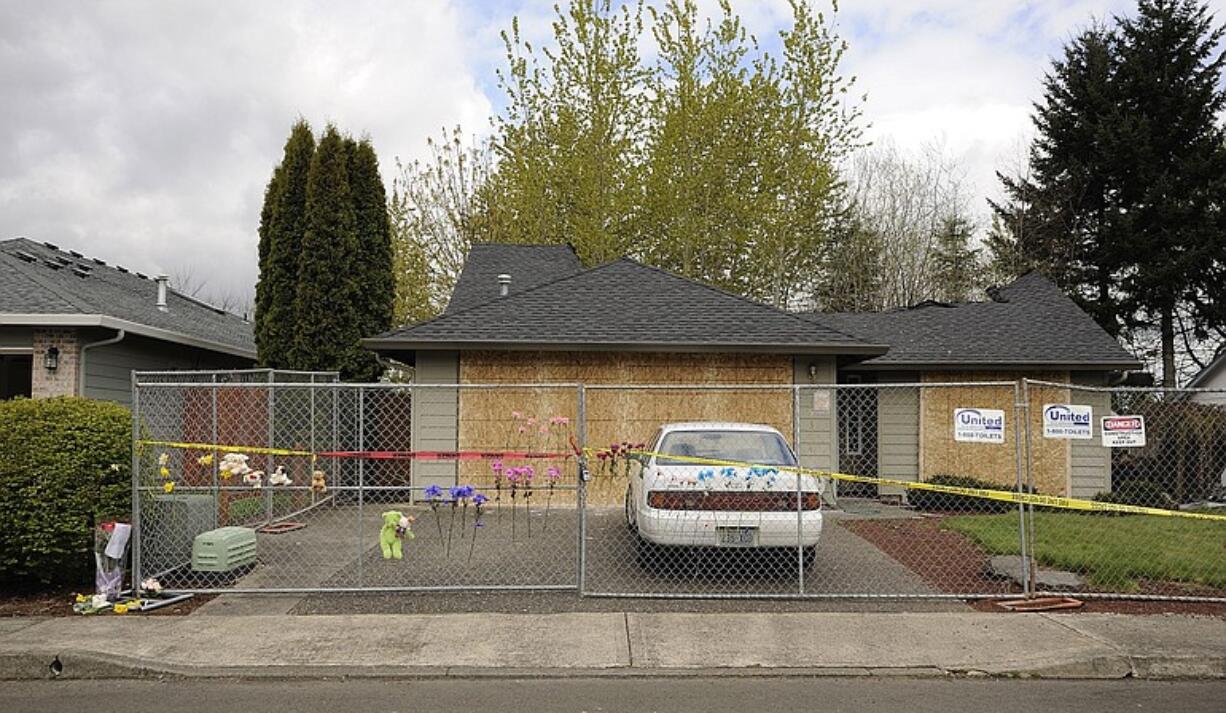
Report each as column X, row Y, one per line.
column 1123, row 431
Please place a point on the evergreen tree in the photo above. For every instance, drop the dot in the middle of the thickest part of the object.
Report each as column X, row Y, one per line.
column 326, row 315
column 853, row 273
column 1124, row 207
column 1169, row 154
column 1005, row 261
column 1058, row 216
column 956, row 264
column 263, row 286
column 372, row 262
column 283, row 221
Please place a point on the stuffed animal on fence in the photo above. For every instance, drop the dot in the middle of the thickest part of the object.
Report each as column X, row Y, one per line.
column 234, row 464
column 279, row 477
column 396, row 528
column 255, row 479
column 318, row 485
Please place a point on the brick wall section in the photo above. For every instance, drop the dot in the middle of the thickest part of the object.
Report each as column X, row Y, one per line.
column 63, row 381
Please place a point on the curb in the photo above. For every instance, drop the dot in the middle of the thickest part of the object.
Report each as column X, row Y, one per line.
column 35, row 666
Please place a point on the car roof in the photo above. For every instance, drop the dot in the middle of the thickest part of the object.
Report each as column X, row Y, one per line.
column 718, row 426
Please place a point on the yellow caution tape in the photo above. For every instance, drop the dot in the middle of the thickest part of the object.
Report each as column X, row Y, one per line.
column 227, row 448
column 1051, row 501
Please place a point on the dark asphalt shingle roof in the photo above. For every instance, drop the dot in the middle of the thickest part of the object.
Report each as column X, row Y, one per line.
column 1031, row 323
column 528, row 266
column 84, row 285
column 622, row 304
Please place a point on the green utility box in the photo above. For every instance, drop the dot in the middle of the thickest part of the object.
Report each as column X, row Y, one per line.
column 224, row 549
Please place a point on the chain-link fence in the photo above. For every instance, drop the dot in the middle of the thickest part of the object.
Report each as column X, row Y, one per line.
column 255, row 482
column 1163, row 449
column 256, row 485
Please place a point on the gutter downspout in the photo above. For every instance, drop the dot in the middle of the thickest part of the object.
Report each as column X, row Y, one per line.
column 81, row 357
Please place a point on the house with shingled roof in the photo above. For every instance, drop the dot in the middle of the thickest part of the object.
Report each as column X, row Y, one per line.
column 833, row 383
column 72, row 325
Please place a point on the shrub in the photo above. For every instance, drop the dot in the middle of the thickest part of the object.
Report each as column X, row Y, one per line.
column 64, row 465
column 947, row 502
column 1137, row 492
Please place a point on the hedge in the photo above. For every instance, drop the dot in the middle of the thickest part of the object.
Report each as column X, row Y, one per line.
column 64, row 466
column 931, row 501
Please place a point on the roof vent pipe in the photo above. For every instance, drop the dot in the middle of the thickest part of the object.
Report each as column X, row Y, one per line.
column 504, row 285
column 162, row 280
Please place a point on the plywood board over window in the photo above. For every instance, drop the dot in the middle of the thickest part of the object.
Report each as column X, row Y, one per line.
column 616, row 415
column 940, row 454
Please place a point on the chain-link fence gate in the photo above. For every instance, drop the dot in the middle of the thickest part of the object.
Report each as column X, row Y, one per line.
column 270, row 482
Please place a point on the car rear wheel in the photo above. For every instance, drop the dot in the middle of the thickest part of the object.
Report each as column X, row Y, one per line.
column 630, row 518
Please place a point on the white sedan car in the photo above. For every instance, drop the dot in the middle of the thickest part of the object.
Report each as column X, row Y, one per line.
column 676, row 499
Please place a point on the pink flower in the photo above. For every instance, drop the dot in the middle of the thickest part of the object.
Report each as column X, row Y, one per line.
column 528, row 472
column 544, row 429
column 531, row 421
column 553, row 473
column 522, row 429
column 496, row 466
column 613, row 448
column 516, row 415
column 564, row 420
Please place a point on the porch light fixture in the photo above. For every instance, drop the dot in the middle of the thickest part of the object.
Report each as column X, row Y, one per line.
column 51, row 359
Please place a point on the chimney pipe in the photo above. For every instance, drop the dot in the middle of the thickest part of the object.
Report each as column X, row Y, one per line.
column 162, row 280
column 504, row 285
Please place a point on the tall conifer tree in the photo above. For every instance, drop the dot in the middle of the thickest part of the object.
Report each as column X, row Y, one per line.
column 327, row 331
column 280, row 243
column 373, row 259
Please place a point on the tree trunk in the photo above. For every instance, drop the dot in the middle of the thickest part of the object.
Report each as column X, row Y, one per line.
column 1168, row 347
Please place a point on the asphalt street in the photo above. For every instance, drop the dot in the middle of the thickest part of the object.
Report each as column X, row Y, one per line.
column 679, row 695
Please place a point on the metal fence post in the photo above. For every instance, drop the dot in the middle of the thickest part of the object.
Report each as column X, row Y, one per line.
column 215, row 464
column 800, row 548
column 1032, row 573
column 1020, row 414
column 136, row 528
column 581, row 489
column 361, row 478
column 268, row 469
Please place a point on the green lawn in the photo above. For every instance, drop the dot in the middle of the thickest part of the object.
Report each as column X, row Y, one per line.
column 1111, row 551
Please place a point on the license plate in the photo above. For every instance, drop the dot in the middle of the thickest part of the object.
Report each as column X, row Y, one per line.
column 736, row 536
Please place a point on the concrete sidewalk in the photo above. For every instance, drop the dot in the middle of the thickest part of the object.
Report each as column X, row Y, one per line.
column 617, row 644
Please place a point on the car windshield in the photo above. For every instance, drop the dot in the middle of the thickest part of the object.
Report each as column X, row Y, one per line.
column 755, row 447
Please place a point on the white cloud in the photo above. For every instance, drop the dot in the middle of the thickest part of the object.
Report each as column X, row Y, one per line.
column 959, row 73
column 144, row 134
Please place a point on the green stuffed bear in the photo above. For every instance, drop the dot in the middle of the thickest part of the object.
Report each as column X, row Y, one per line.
column 396, row 528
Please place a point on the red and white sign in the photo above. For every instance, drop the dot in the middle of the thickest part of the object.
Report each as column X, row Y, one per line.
column 1123, row 431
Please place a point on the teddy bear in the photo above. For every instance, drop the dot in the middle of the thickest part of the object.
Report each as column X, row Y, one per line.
column 318, row 485
column 255, row 479
column 234, row 464
column 396, row 528
column 279, row 477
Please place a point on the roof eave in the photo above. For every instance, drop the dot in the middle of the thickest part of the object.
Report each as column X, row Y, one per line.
column 874, row 365
column 402, row 345
column 108, row 322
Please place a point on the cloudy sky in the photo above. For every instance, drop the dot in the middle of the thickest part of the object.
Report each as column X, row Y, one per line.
column 144, row 133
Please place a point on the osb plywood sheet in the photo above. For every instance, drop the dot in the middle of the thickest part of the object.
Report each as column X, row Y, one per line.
column 614, row 416
column 940, row 454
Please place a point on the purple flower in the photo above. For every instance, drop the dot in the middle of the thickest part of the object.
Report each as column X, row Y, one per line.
column 433, row 492
column 496, row 466
column 553, row 473
column 480, row 499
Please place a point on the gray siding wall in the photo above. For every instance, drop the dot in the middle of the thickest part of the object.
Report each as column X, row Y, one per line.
column 436, row 417
column 1089, row 461
column 108, row 369
column 16, row 338
column 819, row 446
column 898, row 426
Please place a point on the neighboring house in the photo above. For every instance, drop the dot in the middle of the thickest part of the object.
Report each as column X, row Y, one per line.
column 74, row 325
column 627, row 323
column 1211, row 377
